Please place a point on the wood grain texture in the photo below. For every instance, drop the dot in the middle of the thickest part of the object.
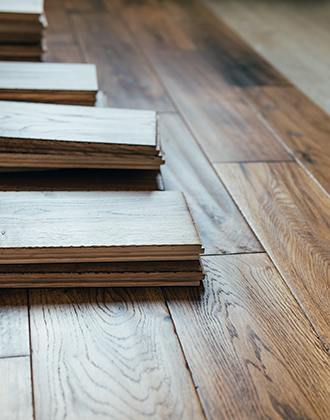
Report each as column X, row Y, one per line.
column 196, row 62
column 252, row 352
column 290, row 215
column 48, row 76
column 303, row 127
column 45, row 227
column 118, row 357
column 124, row 75
column 221, row 226
column 14, row 324
column 15, row 389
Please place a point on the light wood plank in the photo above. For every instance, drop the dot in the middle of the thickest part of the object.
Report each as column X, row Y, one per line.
column 48, row 76
column 15, row 389
column 117, row 357
column 303, row 127
column 14, row 324
column 45, row 227
column 252, row 352
column 290, row 215
column 221, row 226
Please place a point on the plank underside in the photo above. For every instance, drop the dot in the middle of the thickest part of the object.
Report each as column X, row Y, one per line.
column 96, row 226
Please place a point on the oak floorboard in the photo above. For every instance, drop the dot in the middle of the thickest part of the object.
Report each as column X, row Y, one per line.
column 221, row 226
column 290, row 215
column 195, row 61
column 14, row 324
column 251, row 350
column 15, row 389
column 123, row 73
column 302, row 126
column 117, row 357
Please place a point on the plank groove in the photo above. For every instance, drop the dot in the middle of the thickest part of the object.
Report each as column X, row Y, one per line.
column 251, row 351
column 290, row 215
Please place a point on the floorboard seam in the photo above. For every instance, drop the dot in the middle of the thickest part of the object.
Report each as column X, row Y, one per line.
column 16, row 356
column 31, row 360
column 184, row 355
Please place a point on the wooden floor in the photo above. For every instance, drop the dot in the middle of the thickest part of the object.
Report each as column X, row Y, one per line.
column 251, row 153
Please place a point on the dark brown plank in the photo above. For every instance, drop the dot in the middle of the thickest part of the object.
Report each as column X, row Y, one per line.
column 124, row 75
column 117, row 357
column 252, row 352
column 15, row 389
column 225, row 124
column 303, row 127
column 290, row 215
column 221, row 226
column 14, row 324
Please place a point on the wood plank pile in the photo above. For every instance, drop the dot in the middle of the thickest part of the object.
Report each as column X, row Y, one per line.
column 34, row 135
column 61, row 83
column 122, row 231
column 22, row 25
column 97, row 238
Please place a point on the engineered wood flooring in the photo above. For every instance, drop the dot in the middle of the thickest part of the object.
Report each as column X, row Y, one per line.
column 46, row 227
column 74, row 84
column 238, row 347
column 36, row 135
column 291, row 217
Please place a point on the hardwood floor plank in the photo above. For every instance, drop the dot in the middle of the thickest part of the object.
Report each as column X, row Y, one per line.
column 14, row 324
column 117, row 357
column 221, row 226
column 15, row 389
column 290, row 215
column 251, row 350
column 123, row 73
column 191, row 61
column 303, row 127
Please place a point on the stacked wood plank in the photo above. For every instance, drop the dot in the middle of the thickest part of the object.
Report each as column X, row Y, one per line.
column 34, row 135
column 22, row 23
column 97, row 238
column 61, row 83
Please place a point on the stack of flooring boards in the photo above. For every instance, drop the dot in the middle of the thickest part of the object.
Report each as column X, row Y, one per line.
column 22, row 23
column 44, row 136
column 97, row 239
column 61, row 83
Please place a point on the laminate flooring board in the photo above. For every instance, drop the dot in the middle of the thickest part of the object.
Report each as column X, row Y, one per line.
column 303, row 127
column 124, row 74
column 290, row 215
column 45, row 227
column 251, row 351
column 81, row 180
column 48, row 82
column 15, row 389
column 155, row 273
column 221, row 226
column 192, row 66
column 117, row 357
column 14, row 324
